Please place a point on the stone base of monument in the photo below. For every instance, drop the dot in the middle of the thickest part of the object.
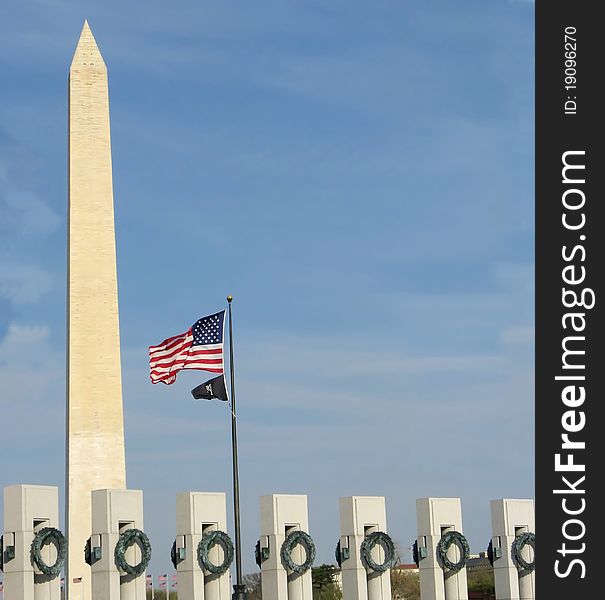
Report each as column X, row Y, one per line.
column 198, row 515
column 436, row 517
column 115, row 515
column 28, row 511
column 361, row 516
column 281, row 515
column 510, row 519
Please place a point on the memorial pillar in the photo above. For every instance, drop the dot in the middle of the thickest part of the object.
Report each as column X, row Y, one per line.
column 510, row 519
column 113, row 513
column 27, row 510
column 436, row 517
column 359, row 517
column 282, row 514
column 198, row 514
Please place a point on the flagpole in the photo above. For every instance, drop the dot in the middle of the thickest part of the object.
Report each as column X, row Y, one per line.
column 239, row 589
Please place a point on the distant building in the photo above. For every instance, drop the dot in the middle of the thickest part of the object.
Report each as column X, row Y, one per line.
column 478, row 562
column 407, row 568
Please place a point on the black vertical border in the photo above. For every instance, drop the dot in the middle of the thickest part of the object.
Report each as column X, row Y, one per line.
column 557, row 133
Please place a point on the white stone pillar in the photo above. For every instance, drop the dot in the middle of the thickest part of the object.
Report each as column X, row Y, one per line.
column 113, row 512
column 95, row 425
column 360, row 516
column 27, row 510
column 435, row 517
column 509, row 519
column 197, row 514
column 281, row 514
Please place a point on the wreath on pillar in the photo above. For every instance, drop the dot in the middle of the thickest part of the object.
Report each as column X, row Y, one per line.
column 490, row 553
column 415, row 553
column 384, row 540
column 292, row 540
column 522, row 540
column 173, row 554
column 447, row 539
column 54, row 536
column 207, row 543
column 258, row 554
column 125, row 541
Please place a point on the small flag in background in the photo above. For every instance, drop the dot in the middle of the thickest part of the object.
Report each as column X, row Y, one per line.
column 213, row 388
column 149, row 579
column 200, row 348
column 163, row 579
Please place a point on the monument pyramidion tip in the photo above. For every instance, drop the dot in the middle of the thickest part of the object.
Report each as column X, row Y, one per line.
column 87, row 52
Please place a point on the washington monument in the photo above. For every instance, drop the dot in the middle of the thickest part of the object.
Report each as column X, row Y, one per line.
column 95, row 428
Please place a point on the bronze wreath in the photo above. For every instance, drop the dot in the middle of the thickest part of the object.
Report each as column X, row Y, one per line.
column 517, row 546
column 55, row 536
column 292, row 539
column 447, row 539
column 127, row 539
column 207, row 543
column 378, row 537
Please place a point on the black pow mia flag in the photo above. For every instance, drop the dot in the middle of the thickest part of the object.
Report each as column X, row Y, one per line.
column 213, row 388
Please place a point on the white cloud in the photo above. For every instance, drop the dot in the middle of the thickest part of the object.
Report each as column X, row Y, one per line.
column 309, row 355
column 30, row 370
column 23, row 284
column 22, row 212
column 25, row 219
column 518, row 336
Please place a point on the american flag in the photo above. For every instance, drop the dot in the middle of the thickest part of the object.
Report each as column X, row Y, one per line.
column 149, row 579
column 200, row 348
column 163, row 580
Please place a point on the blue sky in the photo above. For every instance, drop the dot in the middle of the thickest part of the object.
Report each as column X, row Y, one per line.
column 359, row 176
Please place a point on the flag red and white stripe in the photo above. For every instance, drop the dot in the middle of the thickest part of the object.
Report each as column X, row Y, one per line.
column 199, row 348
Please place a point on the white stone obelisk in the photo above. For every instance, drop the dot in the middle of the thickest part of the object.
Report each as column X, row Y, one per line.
column 95, row 428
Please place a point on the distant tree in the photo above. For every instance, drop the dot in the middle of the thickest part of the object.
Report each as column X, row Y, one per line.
column 481, row 581
column 161, row 595
column 253, row 586
column 324, row 583
column 405, row 586
column 330, row 592
column 398, row 552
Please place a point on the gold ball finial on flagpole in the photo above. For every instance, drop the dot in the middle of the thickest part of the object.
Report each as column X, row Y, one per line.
column 229, row 298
